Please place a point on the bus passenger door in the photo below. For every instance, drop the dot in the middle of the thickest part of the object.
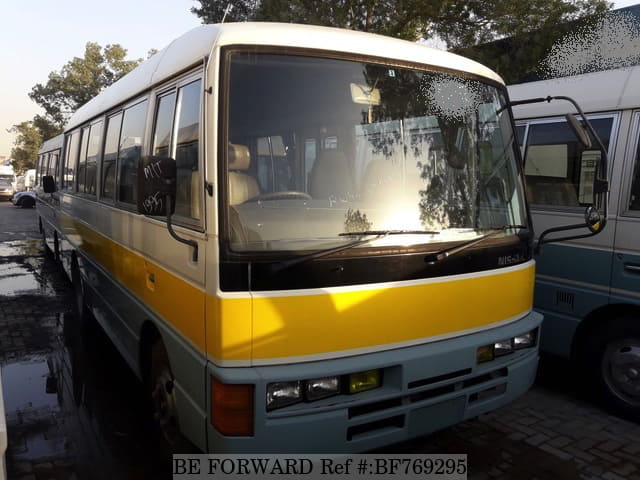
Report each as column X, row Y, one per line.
column 625, row 280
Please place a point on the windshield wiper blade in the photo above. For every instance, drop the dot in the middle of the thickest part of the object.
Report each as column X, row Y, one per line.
column 372, row 235
column 447, row 252
column 389, row 232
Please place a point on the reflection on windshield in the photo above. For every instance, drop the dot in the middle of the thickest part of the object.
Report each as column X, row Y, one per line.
column 320, row 146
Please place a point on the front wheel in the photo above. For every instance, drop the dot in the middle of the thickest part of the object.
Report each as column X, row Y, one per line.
column 617, row 368
column 163, row 400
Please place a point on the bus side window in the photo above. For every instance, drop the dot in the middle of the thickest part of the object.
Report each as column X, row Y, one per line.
column 95, row 137
column 70, row 159
column 130, row 151
column 164, row 121
column 112, row 140
column 187, row 151
column 82, row 161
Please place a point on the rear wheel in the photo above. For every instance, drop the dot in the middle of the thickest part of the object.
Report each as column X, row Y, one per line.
column 616, row 365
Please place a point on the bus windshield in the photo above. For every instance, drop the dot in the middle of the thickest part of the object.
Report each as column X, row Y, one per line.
column 319, row 148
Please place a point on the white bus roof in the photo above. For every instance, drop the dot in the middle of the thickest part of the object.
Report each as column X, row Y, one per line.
column 594, row 92
column 198, row 43
column 52, row 144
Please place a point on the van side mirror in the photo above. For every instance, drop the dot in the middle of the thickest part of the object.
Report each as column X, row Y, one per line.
column 156, row 186
column 157, row 179
column 579, row 131
column 48, row 184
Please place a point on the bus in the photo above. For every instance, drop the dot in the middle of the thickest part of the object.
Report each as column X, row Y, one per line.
column 588, row 289
column 302, row 239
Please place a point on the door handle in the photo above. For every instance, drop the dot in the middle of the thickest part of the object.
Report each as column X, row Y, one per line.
column 632, row 267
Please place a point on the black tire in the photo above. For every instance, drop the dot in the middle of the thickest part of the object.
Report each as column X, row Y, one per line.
column 27, row 202
column 615, row 365
column 163, row 407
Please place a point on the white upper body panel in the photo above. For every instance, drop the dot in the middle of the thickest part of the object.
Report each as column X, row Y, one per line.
column 195, row 45
column 52, row 144
column 594, row 92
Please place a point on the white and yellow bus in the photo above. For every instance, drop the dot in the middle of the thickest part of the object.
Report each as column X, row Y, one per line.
column 347, row 257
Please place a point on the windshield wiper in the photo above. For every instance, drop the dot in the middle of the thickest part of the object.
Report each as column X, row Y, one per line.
column 447, row 252
column 372, row 235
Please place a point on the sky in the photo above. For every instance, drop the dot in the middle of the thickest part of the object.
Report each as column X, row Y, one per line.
column 40, row 36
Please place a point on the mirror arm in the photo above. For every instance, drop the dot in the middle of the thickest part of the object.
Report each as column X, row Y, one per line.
column 192, row 243
column 541, row 239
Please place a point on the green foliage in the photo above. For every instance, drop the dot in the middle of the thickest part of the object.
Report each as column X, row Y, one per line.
column 27, row 144
column 79, row 80
column 459, row 23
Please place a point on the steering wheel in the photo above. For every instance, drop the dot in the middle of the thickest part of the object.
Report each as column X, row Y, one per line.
column 283, row 195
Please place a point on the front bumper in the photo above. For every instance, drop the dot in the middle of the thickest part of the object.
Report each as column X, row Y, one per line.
column 425, row 388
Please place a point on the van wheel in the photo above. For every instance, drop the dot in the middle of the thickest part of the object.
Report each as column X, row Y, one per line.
column 616, row 366
column 163, row 400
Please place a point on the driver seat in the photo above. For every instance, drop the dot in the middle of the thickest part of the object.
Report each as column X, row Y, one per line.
column 242, row 187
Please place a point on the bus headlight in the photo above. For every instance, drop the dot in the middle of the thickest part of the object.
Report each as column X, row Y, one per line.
column 322, row 387
column 503, row 347
column 281, row 394
column 525, row 341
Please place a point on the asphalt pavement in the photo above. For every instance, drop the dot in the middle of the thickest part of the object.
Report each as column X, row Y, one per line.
column 75, row 411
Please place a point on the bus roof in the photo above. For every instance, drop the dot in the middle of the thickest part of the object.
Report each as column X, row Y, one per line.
column 189, row 49
column 594, row 92
column 52, row 144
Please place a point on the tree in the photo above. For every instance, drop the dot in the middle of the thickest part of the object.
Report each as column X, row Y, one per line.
column 27, row 144
column 79, row 81
column 459, row 23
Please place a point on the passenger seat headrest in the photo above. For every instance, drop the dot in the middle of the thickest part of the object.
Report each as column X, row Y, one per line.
column 239, row 157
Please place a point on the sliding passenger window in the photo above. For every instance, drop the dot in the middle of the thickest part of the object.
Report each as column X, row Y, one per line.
column 82, row 162
column 71, row 158
column 187, row 151
column 559, row 171
column 112, row 139
column 130, row 151
column 93, row 150
column 634, row 197
column 164, row 122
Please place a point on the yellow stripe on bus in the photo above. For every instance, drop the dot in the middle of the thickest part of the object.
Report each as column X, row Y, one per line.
column 298, row 326
column 172, row 298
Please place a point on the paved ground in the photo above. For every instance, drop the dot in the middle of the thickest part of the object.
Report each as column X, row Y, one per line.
column 75, row 411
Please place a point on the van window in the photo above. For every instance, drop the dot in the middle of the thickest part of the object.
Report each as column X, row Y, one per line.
column 559, row 171
column 130, row 151
column 110, row 156
column 634, row 198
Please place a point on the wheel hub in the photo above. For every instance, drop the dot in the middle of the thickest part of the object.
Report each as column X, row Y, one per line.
column 621, row 369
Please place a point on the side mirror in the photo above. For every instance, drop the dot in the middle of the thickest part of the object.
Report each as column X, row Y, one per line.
column 579, row 131
column 157, row 179
column 593, row 219
column 156, row 186
column 48, row 184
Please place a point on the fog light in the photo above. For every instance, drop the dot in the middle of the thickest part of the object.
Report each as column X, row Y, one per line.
column 281, row 394
column 525, row 341
column 362, row 381
column 321, row 388
column 484, row 354
column 503, row 347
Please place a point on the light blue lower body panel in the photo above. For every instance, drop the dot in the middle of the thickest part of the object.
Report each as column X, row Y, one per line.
column 424, row 388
